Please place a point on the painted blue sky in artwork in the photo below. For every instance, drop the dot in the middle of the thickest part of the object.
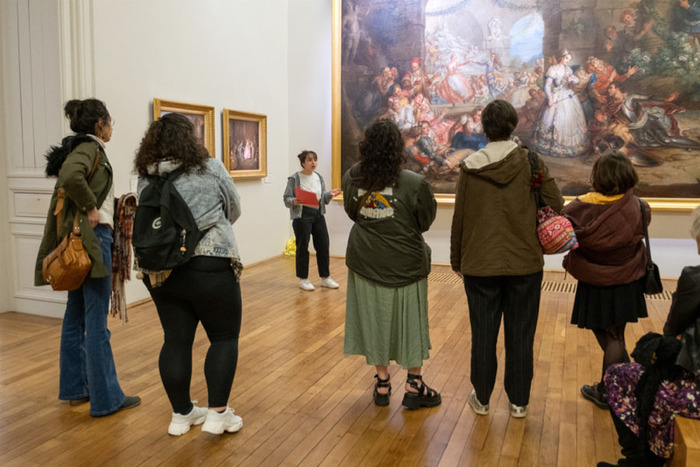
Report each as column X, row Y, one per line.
column 526, row 38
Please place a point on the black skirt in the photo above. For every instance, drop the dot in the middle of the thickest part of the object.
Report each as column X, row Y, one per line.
column 601, row 307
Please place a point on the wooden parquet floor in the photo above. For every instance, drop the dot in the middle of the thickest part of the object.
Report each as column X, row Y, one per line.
column 305, row 403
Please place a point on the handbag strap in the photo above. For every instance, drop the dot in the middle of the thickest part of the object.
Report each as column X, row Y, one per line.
column 58, row 212
column 535, row 178
column 646, row 232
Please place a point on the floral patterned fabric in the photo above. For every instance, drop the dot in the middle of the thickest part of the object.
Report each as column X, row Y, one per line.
column 679, row 396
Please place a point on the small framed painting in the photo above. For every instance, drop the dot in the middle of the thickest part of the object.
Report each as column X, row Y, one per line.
column 201, row 116
column 245, row 144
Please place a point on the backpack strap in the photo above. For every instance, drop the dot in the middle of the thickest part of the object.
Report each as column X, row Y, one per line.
column 535, row 178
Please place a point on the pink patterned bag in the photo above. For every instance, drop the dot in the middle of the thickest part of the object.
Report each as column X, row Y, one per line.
column 554, row 232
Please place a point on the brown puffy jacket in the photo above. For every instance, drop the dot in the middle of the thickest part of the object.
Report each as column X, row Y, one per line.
column 611, row 241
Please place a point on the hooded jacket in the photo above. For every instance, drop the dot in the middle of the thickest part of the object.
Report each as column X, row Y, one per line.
column 293, row 181
column 611, row 239
column 71, row 163
column 386, row 244
column 494, row 229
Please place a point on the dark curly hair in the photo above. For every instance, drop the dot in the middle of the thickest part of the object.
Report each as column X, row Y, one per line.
column 613, row 174
column 381, row 155
column 171, row 137
column 85, row 114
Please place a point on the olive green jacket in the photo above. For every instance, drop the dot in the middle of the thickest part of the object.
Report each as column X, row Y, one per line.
column 80, row 197
column 494, row 228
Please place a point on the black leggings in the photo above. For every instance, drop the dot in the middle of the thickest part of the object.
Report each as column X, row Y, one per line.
column 204, row 289
column 612, row 342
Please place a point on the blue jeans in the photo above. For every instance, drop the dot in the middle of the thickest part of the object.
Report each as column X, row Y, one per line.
column 87, row 363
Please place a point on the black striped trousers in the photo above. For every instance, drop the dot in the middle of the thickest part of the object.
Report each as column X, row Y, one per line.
column 517, row 299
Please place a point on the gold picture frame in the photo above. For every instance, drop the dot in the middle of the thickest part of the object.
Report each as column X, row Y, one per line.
column 245, row 144
column 201, row 116
column 351, row 77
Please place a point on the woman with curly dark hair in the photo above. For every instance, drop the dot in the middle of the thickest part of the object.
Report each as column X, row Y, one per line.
column 205, row 288
column 386, row 316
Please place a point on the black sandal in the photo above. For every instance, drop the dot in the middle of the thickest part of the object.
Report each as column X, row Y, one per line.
column 382, row 400
column 425, row 397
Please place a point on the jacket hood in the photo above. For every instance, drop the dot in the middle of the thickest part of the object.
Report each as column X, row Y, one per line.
column 611, row 226
column 56, row 155
column 163, row 167
column 497, row 162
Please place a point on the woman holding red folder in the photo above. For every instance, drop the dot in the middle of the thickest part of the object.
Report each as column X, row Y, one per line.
column 306, row 197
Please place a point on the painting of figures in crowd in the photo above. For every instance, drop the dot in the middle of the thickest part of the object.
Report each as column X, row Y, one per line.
column 584, row 77
column 201, row 116
column 245, row 140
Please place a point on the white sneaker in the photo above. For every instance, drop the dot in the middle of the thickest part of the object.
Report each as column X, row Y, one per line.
column 518, row 411
column 217, row 422
column 477, row 407
column 180, row 424
column 328, row 282
column 304, row 284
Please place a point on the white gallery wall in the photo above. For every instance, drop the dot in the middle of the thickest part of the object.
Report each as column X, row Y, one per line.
column 264, row 56
column 225, row 54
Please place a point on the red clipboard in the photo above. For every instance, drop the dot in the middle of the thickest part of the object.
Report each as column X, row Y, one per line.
column 306, row 198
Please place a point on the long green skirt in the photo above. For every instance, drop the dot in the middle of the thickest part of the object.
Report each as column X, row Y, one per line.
column 387, row 323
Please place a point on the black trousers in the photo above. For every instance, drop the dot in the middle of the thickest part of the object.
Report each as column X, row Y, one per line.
column 517, row 300
column 204, row 289
column 311, row 223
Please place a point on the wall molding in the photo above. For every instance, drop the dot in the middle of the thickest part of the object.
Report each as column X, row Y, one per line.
column 77, row 48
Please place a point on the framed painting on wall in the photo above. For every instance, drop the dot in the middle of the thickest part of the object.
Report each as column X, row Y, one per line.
column 245, row 144
column 622, row 75
column 201, row 116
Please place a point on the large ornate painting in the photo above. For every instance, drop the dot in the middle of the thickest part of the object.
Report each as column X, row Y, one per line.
column 585, row 76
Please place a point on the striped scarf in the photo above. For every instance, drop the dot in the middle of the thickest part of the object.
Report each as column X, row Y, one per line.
column 121, row 253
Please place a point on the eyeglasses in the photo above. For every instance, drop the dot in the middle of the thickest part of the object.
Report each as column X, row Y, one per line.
column 112, row 122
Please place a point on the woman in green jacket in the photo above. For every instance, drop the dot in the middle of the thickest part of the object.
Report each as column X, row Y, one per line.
column 386, row 316
column 87, row 371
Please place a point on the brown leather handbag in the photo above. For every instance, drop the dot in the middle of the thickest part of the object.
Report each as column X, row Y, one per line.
column 67, row 266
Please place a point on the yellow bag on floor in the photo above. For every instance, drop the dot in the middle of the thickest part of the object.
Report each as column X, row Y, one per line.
column 291, row 248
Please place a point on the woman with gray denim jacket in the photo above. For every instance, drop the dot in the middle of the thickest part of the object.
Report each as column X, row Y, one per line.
column 308, row 220
column 206, row 288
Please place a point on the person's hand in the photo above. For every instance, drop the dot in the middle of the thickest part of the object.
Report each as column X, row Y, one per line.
column 632, row 70
column 600, row 116
column 336, row 191
column 297, row 202
column 459, row 274
column 672, row 97
column 93, row 217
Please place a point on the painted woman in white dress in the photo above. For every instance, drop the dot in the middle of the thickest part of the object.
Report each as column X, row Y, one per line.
column 561, row 131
